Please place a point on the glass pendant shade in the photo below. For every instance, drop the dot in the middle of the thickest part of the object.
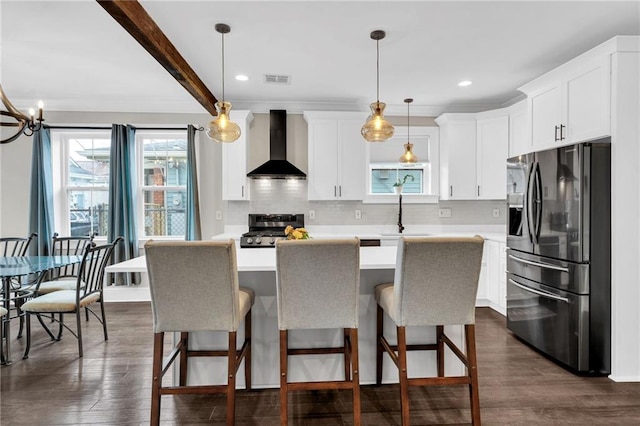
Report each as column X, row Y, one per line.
column 377, row 129
column 222, row 129
column 408, row 156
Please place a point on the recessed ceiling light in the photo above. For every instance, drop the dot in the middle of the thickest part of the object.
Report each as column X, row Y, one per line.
column 465, row 83
column 242, row 77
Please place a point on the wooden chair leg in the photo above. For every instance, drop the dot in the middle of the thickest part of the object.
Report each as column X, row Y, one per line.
column 379, row 347
column 156, row 383
column 470, row 340
column 247, row 357
column 404, row 380
column 346, row 353
column 440, row 350
column 284, row 415
column 184, row 362
column 355, row 367
column 231, row 380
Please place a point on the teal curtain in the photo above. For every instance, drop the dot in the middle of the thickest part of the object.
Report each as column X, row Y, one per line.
column 41, row 199
column 122, row 198
column 194, row 232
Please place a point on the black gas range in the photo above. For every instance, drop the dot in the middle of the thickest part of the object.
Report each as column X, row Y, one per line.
column 266, row 229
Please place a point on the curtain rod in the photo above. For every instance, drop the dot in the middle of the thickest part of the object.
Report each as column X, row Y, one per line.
column 109, row 128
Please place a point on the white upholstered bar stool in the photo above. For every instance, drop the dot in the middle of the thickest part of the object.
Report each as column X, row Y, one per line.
column 194, row 287
column 435, row 284
column 317, row 288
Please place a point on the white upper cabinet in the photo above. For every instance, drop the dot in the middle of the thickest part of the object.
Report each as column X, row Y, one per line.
column 519, row 140
column 234, row 161
column 473, row 155
column 457, row 156
column 492, row 145
column 572, row 103
column 337, row 160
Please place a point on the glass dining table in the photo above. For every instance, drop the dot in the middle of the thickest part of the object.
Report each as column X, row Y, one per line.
column 23, row 266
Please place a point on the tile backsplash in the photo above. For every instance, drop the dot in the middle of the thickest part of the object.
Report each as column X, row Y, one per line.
column 290, row 196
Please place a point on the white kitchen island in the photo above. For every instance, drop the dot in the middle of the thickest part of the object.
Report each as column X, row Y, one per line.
column 256, row 270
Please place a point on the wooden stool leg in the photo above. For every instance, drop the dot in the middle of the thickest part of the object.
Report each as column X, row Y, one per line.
column 156, row 381
column 231, row 380
column 440, row 350
column 347, row 350
column 355, row 367
column 184, row 342
column 404, row 380
column 470, row 336
column 379, row 347
column 283, row 378
column 247, row 357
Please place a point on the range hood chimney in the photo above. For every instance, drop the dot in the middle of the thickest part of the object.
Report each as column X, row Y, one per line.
column 277, row 167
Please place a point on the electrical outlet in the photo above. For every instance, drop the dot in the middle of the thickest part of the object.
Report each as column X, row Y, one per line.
column 496, row 212
column 358, row 214
column 218, row 215
column 312, row 214
column 444, row 213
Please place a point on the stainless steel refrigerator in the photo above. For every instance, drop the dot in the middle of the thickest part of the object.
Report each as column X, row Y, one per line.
column 559, row 253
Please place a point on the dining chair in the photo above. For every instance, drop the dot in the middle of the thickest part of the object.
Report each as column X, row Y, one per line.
column 194, row 287
column 317, row 286
column 3, row 312
column 17, row 247
column 435, row 284
column 87, row 292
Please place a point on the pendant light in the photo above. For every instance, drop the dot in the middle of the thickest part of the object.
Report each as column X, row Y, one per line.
column 222, row 129
column 377, row 129
column 408, row 156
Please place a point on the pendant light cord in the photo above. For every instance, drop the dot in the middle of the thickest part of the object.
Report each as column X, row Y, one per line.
column 222, row 67
column 408, row 123
column 377, row 70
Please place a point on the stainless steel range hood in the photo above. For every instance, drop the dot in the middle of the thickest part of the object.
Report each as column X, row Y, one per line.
column 277, row 167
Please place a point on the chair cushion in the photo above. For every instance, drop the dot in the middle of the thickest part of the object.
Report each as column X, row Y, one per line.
column 247, row 298
column 385, row 298
column 3, row 311
column 58, row 301
column 57, row 285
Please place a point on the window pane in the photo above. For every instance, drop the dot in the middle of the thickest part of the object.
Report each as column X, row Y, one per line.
column 165, row 213
column 89, row 161
column 382, row 180
column 165, row 158
column 88, row 212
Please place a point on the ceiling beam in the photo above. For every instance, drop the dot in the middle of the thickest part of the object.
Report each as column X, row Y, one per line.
column 133, row 18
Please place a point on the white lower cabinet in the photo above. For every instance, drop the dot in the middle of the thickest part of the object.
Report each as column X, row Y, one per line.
column 495, row 275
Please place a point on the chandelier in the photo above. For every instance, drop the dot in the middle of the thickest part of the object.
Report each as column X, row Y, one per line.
column 24, row 124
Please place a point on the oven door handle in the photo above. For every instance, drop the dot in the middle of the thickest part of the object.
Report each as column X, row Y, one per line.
column 541, row 265
column 539, row 293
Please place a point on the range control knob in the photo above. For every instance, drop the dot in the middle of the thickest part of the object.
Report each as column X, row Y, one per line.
column 258, row 240
column 272, row 241
column 249, row 240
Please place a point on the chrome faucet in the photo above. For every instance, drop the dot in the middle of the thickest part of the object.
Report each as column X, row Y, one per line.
column 400, row 226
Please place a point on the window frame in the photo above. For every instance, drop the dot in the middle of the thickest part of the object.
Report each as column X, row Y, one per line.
column 417, row 135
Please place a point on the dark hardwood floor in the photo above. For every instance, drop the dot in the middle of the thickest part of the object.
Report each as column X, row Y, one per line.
column 111, row 386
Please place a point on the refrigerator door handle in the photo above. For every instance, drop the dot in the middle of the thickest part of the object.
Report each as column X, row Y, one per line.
column 539, row 293
column 540, row 265
column 538, row 202
column 528, row 203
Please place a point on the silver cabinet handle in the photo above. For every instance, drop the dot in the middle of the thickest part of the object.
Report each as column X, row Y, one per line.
column 539, row 293
column 242, row 191
column 541, row 265
column 478, row 190
column 340, row 188
column 451, row 190
column 335, row 191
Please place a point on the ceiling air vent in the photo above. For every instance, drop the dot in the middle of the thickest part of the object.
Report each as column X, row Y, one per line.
column 277, row 79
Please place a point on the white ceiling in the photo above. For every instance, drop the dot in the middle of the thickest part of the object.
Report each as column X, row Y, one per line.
column 75, row 57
